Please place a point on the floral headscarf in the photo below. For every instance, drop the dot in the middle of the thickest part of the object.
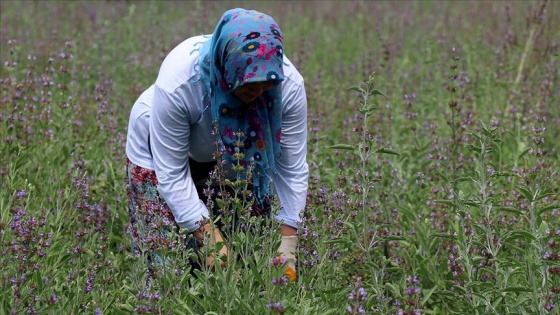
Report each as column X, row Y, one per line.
column 246, row 47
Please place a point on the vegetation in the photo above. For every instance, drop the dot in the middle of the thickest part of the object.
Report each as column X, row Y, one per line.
column 434, row 183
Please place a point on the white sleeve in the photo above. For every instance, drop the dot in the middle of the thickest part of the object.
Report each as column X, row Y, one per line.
column 169, row 142
column 291, row 181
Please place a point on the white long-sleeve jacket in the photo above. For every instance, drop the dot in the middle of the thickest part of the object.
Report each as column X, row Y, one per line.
column 179, row 125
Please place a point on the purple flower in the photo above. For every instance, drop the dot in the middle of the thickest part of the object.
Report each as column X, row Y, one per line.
column 358, row 310
column 279, row 281
column 278, row 307
column 155, row 297
column 20, row 194
column 278, row 261
column 412, row 280
column 356, row 297
column 412, row 290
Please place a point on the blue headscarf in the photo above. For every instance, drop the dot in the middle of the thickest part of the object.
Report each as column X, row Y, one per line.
column 246, row 47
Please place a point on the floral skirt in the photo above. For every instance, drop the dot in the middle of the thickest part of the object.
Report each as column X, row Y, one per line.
column 154, row 233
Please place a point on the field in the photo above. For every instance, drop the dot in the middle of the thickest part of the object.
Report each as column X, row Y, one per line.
column 434, row 131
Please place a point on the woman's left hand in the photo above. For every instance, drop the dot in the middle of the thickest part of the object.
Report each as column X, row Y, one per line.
column 215, row 239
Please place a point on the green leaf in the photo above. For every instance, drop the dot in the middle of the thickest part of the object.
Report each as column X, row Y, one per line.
column 125, row 306
column 526, row 193
column 543, row 227
column 377, row 92
column 445, row 235
column 462, row 179
column 338, row 240
column 391, row 287
column 427, row 295
column 220, row 202
column 387, row 151
column 371, row 107
column 255, row 271
column 110, row 303
column 523, row 153
column 543, row 194
column 446, row 202
column 355, row 88
column 498, row 301
column 510, row 210
column 548, row 208
column 516, row 289
column 367, row 109
column 332, row 291
column 343, row 146
column 248, row 309
column 442, row 292
column 471, row 203
column 517, row 234
column 478, row 286
column 474, row 148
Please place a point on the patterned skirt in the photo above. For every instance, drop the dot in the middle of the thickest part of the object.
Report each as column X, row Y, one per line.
column 154, row 233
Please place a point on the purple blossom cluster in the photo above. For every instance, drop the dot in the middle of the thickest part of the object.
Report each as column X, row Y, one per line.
column 412, row 303
column 24, row 247
column 276, row 307
column 356, row 298
column 147, row 302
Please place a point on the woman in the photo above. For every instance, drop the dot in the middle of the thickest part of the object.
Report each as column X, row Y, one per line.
column 237, row 79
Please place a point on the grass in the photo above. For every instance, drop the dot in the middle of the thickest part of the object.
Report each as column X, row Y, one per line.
column 440, row 199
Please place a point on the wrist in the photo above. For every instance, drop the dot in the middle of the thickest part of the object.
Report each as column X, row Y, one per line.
column 200, row 233
column 202, row 229
column 286, row 230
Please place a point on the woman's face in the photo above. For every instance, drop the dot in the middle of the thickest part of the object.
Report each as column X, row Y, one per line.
column 250, row 91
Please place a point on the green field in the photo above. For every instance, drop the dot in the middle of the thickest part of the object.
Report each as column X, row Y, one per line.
column 440, row 198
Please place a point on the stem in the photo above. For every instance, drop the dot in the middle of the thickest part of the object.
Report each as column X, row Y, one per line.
column 454, row 149
column 364, row 155
column 482, row 186
column 537, row 254
column 528, row 47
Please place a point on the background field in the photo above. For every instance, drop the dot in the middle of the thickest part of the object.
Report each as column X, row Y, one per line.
column 441, row 198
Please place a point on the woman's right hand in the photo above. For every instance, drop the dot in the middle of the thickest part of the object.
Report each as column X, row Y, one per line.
column 215, row 239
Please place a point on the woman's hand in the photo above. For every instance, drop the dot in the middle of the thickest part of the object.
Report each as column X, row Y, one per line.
column 215, row 239
column 288, row 250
